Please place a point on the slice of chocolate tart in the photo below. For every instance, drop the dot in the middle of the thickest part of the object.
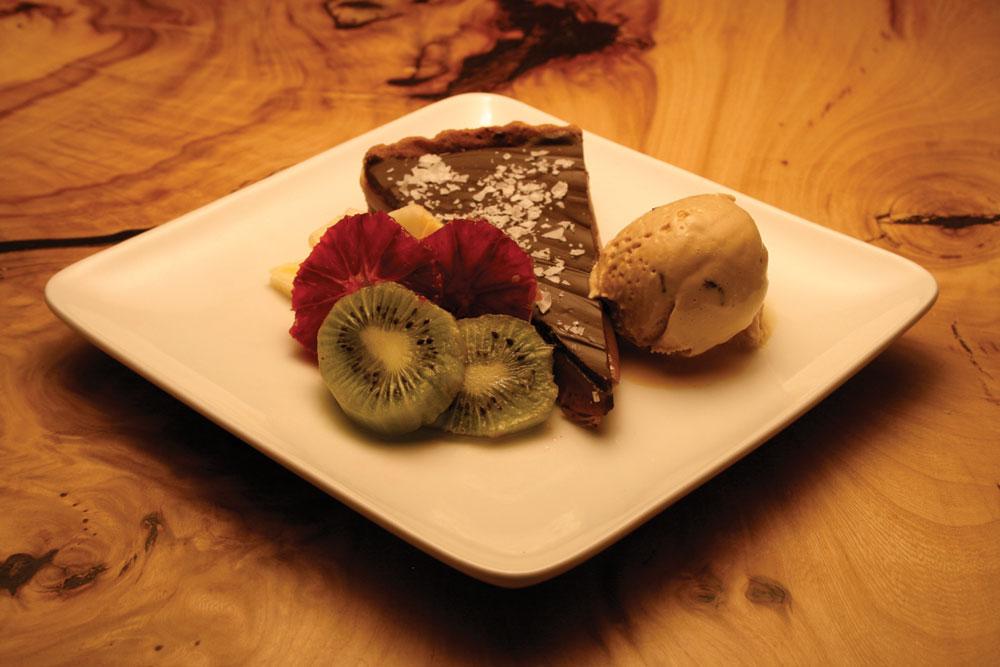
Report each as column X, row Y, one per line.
column 531, row 182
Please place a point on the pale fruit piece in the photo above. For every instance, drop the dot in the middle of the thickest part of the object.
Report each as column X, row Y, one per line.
column 317, row 233
column 282, row 277
column 417, row 220
column 414, row 218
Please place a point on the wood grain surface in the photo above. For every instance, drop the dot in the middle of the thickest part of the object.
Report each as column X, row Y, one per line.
column 133, row 531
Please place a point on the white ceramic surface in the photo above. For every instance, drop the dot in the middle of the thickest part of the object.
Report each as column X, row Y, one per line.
column 188, row 306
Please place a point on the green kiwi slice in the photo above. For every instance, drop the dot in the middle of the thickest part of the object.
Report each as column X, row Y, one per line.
column 508, row 385
column 392, row 360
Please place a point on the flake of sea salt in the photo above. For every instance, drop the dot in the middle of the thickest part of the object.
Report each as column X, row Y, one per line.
column 429, row 170
column 482, row 193
column 551, row 273
column 544, row 301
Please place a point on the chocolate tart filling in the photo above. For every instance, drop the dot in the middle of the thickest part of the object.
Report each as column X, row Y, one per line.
column 531, row 182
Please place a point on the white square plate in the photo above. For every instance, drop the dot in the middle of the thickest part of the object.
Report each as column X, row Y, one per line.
column 188, row 306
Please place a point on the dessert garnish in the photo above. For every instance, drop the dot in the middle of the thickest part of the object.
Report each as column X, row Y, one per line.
column 416, row 219
column 394, row 362
column 684, row 277
column 508, row 384
column 483, row 270
column 282, row 277
column 358, row 251
column 391, row 359
column 413, row 218
column 531, row 183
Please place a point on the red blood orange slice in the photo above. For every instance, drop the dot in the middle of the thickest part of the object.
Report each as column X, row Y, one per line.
column 484, row 270
column 359, row 250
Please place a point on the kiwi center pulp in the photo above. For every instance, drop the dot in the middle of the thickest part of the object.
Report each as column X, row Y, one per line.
column 481, row 377
column 393, row 349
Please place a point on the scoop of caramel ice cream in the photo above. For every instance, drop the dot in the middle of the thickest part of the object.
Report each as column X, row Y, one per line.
column 684, row 277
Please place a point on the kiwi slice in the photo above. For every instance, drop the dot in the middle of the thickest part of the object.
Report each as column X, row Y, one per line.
column 508, row 383
column 392, row 360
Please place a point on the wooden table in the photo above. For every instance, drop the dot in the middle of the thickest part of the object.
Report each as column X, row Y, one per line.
column 134, row 531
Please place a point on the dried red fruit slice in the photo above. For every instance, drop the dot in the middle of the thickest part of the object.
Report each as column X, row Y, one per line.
column 484, row 270
column 359, row 250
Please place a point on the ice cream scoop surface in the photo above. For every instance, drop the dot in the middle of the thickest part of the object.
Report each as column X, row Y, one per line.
column 684, row 277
